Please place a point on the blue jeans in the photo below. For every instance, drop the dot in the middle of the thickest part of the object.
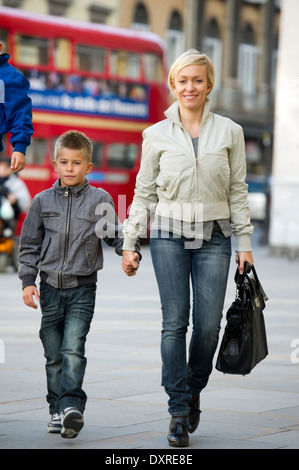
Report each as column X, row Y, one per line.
column 66, row 319
column 207, row 267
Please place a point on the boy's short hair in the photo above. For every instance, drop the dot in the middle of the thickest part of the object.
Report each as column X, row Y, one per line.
column 74, row 140
column 191, row 57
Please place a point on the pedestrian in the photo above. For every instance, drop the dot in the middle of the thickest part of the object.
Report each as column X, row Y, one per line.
column 14, row 188
column 192, row 176
column 15, row 111
column 60, row 240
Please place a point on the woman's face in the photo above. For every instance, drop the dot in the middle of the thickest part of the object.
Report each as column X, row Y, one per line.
column 191, row 87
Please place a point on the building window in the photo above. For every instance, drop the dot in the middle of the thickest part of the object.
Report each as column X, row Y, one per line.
column 90, row 58
column 32, row 50
column 59, row 7
column 122, row 155
column 36, row 152
column 247, row 62
column 4, row 39
column 212, row 46
column 99, row 14
column 13, row 3
column 153, row 67
column 97, row 154
column 140, row 20
column 125, row 64
column 175, row 38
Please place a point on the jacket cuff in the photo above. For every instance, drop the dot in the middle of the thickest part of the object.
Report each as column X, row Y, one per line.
column 28, row 280
column 20, row 147
column 129, row 243
column 243, row 242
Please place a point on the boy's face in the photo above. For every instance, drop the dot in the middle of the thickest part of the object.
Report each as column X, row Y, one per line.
column 72, row 166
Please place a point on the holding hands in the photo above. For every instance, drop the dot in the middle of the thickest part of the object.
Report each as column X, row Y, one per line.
column 130, row 262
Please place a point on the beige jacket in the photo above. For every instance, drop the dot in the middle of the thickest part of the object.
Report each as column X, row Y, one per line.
column 173, row 184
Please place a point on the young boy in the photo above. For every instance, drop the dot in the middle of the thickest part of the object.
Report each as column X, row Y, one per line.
column 60, row 240
column 15, row 111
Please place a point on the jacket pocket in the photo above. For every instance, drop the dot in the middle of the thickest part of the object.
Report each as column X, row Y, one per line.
column 45, row 248
column 50, row 219
column 215, row 175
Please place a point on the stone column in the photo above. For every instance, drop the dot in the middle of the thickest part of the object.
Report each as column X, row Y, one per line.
column 231, row 40
column 194, row 23
column 229, row 92
column 284, row 222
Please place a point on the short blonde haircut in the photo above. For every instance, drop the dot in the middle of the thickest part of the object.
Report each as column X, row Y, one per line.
column 74, row 140
column 191, row 57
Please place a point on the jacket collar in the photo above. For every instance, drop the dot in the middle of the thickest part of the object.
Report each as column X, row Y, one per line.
column 173, row 114
column 4, row 58
column 74, row 189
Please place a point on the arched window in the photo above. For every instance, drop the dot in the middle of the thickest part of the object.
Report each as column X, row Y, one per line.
column 175, row 38
column 247, row 61
column 212, row 46
column 140, row 19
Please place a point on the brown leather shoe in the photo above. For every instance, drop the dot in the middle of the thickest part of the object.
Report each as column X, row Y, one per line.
column 194, row 414
column 178, row 432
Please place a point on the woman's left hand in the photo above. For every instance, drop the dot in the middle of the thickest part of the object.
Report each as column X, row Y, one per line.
column 242, row 257
column 130, row 262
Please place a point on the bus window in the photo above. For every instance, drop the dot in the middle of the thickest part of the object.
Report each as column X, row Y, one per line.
column 97, row 154
column 32, row 50
column 125, row 64
column 90, row 58
column 36, row 152
column 62, row 54
column 4, row 39
column 153, row 68
column 122, row 155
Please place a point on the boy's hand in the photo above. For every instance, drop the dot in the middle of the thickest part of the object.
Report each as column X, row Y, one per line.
column 130, row 262
column 17, row 162
column 28, row 293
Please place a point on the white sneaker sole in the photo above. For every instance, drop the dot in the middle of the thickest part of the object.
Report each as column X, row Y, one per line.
column 72, row 424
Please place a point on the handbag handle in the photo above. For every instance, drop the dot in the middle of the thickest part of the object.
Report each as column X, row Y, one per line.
column 239, row 278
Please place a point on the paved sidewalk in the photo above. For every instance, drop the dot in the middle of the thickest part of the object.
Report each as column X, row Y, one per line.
column 127, row 407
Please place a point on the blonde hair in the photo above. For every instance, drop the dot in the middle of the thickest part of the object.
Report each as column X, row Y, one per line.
column 74, row 140
column 191, row 57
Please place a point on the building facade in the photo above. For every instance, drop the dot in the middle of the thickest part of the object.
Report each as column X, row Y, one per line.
column 240, row 36
column 284, row 223
column 103, row 11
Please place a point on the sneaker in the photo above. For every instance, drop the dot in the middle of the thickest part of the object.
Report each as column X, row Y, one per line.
column 54, row 425
column 72, row 423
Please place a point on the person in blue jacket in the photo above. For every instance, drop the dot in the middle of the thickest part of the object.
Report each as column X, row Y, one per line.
column 15, row 111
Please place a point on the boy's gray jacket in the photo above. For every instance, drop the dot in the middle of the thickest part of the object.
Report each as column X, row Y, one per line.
column 173, row 184
column 61, row 235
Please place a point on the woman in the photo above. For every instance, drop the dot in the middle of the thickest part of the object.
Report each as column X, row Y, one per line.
column 192, row 175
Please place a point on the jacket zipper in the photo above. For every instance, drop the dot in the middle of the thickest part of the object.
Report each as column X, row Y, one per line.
column 67, row 194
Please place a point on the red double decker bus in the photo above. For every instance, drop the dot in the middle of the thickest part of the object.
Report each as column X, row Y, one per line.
column 108, row 82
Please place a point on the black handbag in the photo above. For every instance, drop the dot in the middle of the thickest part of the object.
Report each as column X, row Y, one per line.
column 244, row 342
